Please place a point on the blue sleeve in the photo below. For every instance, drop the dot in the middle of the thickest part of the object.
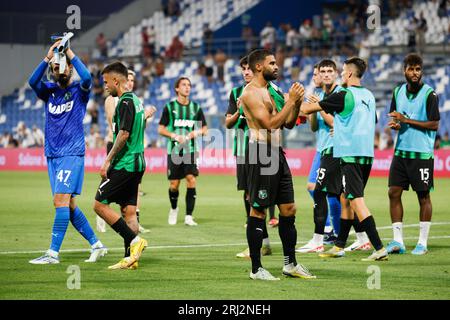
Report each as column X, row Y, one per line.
column 83, row 72
column 36, row 84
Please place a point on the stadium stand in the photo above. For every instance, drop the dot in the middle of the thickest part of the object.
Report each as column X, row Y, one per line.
column 395, row 31
column 189, row 26
column 384, row 72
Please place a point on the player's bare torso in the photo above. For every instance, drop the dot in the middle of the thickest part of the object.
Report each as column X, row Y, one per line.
column 257, row 131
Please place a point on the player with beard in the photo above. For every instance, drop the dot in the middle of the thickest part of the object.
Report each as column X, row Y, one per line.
column 66, row 102
column 235, row 119
column 110, row 107
column 269, row 180
column 123, row 167
column 415, row 114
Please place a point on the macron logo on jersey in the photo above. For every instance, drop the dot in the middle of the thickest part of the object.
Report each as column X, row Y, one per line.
column 184, row 123
column 60, row 108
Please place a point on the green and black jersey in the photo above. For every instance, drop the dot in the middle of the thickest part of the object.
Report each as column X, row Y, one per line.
column 182, row 120
column 241, row 137
column 129, row 116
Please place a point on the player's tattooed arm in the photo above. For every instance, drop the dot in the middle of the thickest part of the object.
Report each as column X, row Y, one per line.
column 120, row 142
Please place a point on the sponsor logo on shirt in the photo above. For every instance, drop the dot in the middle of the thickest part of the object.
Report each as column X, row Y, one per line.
column 60, row 108
column 184, row 123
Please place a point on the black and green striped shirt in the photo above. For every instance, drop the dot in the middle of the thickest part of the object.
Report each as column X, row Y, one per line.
column 241, row 136
column 129, row 116
column 181, row 120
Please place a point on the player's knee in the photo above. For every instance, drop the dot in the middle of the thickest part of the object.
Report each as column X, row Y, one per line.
column 59, row 202
column 72, row 204
column 190, row 180
column 174, row 185
column 98, row 207
column 289, row 210
column 424, row 198
column 310, row 186
column 394, row 193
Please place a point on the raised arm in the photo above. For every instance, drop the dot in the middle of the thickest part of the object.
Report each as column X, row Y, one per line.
column 83, row 72
column 255, row 107
column 293, row 116
column 308, row 107
column 35, row 81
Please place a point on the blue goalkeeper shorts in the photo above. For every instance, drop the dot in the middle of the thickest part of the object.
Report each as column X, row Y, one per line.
column 66, row 174
column 314, row 167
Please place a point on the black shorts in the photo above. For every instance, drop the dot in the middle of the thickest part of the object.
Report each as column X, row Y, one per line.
column 120, row 187
column 329, row 177
column 269, row 179
column 241, row 173
column 415, row 172
column 354, row 179
column 109, row 146
column 178, row 167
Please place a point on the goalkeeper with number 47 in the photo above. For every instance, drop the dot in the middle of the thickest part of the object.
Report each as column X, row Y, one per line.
column 65, row 108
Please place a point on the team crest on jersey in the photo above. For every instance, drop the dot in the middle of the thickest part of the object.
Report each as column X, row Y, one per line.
column 68, row 95
column 262, row 194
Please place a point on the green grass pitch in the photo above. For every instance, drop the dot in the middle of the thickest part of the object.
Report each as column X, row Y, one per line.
column 198, row 263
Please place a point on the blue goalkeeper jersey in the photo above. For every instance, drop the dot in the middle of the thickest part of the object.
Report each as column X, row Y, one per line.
column 64, row 113
column 64, row 110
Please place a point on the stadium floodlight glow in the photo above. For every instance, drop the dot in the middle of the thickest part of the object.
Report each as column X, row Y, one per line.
column 59, row 52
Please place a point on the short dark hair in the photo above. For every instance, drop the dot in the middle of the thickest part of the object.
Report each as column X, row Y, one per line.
column 177, row 83
column 243, row 61
column 316, row 66
column 117, row 67
column 327, row 63
column 257, row 56
column 359, row 63
column 412, row 59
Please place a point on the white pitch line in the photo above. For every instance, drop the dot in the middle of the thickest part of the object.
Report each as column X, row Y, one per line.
column 225, row 244
column 408, row 226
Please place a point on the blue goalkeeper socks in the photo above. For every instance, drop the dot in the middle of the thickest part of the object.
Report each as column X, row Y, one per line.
column 335, row 212
column 80, row 223
column 60, row 224
column 328, row 222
